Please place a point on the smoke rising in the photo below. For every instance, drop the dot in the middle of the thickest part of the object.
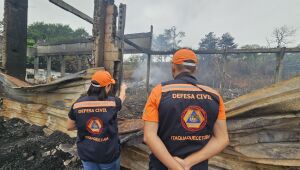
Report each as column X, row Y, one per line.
column 159, row 72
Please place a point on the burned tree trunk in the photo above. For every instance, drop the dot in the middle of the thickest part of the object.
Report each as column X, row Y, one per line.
column 15, row 35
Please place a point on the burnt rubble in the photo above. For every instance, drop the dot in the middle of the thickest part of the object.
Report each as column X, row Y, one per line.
column 25, row 146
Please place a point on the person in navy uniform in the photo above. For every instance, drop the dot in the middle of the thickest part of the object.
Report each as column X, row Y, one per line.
column 185, row 122
column 95, row 118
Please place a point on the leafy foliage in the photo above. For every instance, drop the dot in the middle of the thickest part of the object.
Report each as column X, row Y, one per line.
column 212, row 42
column 170, row 39
column 227, row 41
column 209, row 42
column 46, row 32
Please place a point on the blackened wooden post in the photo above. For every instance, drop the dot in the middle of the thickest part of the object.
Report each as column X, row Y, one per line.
column 15, row 37
column 116, row 73
column 149, row 64
column 120, row 33
column 148, row 73
column 223, row 70
column 99, row 31
column 62, row 66
column 279, row 64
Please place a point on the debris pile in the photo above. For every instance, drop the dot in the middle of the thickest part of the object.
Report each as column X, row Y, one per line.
column 25, row 146
column 134, row 103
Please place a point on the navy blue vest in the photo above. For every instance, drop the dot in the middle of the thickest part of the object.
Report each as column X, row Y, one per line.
column 96, row 122
column 187, row 114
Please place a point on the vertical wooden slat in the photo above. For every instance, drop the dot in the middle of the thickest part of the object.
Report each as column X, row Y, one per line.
column 36, row 67
column 48, row 75
column 99, row 31
column 62, row 66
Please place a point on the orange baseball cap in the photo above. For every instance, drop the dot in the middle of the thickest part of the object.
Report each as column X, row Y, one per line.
column 183, row 55
column 103, row 78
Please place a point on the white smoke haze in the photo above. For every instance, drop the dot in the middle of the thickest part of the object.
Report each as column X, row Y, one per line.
column 159, row 72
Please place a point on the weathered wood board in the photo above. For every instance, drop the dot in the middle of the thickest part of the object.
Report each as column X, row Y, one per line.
column 264, row 126
column 48, row 105
column 264, row 129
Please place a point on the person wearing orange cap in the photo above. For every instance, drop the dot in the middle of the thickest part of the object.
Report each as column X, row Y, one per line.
column 95, row 118
column 185, row 122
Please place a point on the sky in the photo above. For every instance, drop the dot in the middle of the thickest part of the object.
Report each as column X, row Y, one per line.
column 248, row 21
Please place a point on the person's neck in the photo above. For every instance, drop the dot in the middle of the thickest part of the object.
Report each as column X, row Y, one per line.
column 178, row 73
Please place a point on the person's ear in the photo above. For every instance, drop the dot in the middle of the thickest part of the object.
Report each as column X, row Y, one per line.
column 173, row 70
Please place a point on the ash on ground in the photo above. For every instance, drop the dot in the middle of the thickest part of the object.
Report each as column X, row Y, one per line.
column 136, row 98
column 25, row 146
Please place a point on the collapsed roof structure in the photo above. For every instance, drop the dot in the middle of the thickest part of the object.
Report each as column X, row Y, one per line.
column 263, row 125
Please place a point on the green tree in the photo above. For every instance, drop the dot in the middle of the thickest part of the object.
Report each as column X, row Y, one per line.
column 40, row 31
column 209, row 42
column 251, row 46
column 251, row 61
column 170, row 39
column 227, row 41
column 216, row 63
column 174, row 37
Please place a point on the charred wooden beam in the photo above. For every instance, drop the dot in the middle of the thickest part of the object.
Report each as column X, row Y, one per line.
column 137, row 47
column 15, row 37
column 138, row 43
column 67, row 7
column 279, row 64
column 233, row 51
column 48, row 104
column 99, row 31
column 148, row 66
column 121, row 30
